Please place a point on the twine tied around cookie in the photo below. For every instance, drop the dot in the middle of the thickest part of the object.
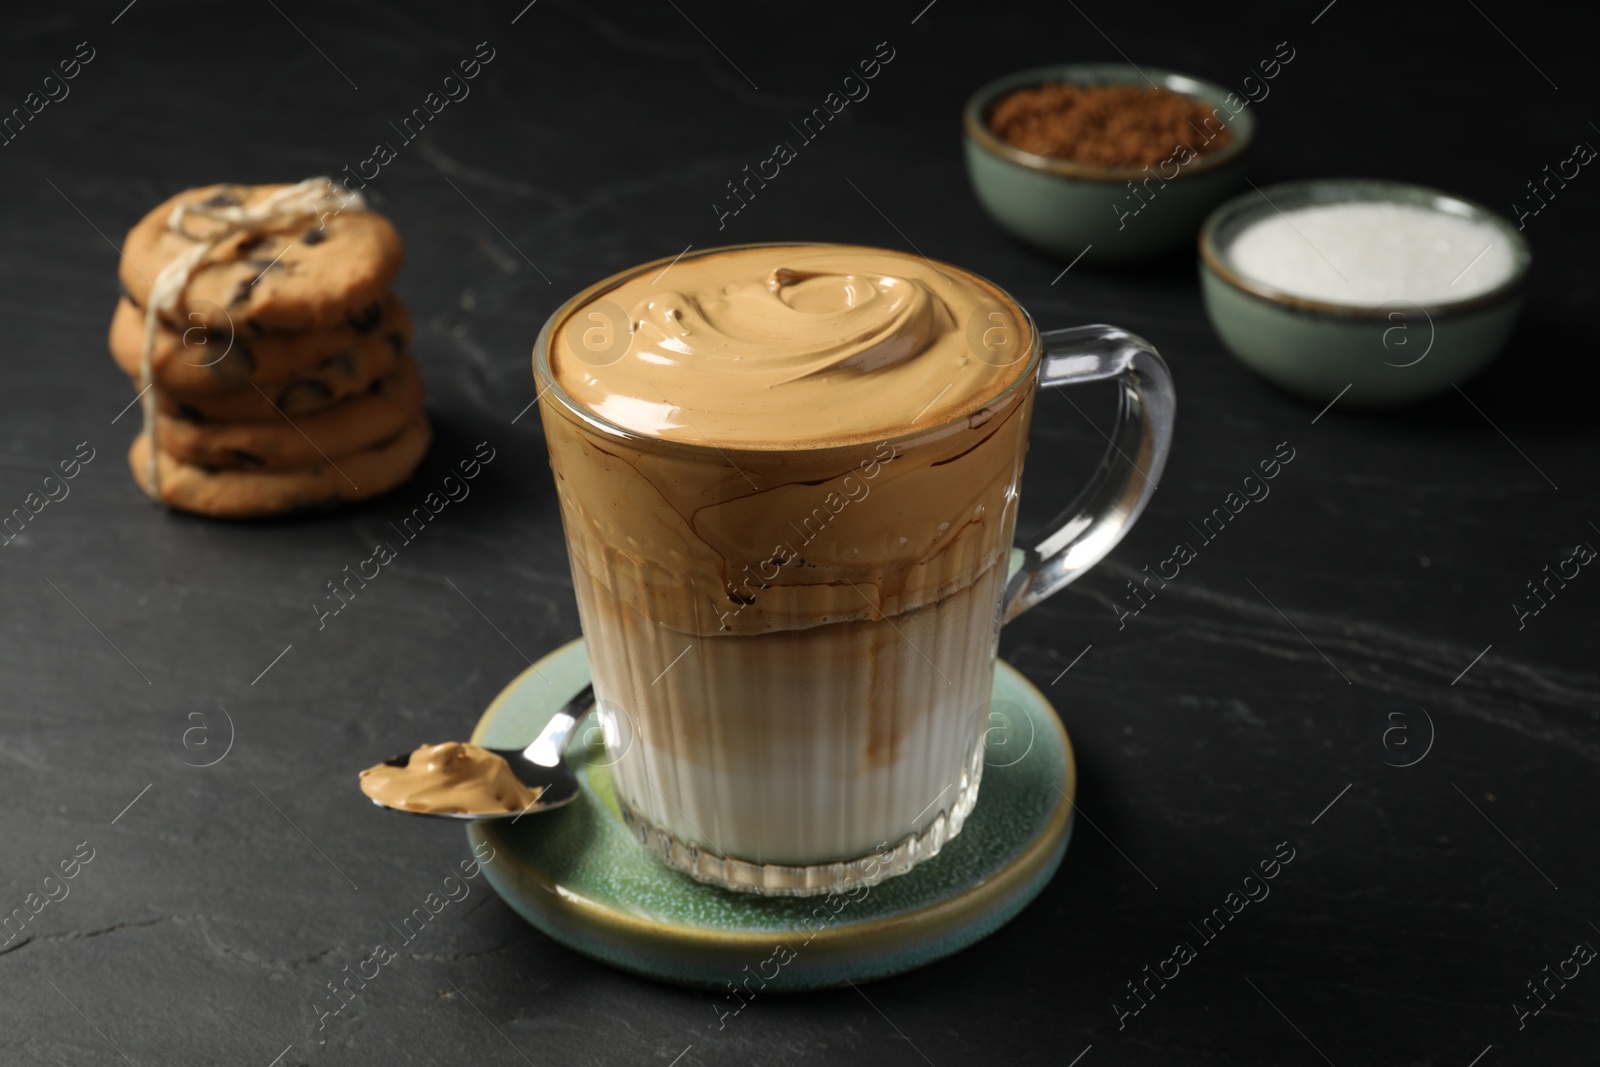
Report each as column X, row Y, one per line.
column 314, row 198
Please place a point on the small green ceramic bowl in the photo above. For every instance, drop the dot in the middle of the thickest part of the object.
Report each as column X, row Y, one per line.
column 1105, row 214
column 1385, row 356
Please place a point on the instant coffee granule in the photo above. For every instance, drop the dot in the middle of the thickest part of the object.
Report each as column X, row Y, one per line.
column 1106, row 125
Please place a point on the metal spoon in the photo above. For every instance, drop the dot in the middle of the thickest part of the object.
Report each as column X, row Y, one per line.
column 540, row 766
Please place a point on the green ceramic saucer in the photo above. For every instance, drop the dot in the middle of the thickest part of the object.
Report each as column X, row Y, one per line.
column 580, row 877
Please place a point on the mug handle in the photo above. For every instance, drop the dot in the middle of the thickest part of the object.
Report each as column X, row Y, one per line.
column 1127, row 475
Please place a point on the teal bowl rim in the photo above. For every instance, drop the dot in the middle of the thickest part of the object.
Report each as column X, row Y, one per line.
column 1225, row 223
column 975, row 115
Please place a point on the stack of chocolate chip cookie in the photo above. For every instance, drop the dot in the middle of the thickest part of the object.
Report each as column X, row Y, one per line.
column 272, row 359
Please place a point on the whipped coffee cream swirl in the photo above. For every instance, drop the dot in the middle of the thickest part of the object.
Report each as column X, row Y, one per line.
column 796, row 370
column 773, row 347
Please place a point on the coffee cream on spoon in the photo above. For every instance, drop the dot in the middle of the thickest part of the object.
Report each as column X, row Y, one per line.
column 449, row 779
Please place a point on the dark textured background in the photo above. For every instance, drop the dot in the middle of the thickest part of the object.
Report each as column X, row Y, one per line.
column 1208, row 731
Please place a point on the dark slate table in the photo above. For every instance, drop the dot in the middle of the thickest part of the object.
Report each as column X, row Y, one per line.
column 1231, row 719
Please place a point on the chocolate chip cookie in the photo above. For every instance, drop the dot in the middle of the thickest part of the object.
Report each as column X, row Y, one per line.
column 352, row 425
column 322, row 267
column 317, row 388
column 196, row 362
column 235, row 494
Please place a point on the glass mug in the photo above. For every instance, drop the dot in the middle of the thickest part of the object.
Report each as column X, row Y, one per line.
column 800, row 737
